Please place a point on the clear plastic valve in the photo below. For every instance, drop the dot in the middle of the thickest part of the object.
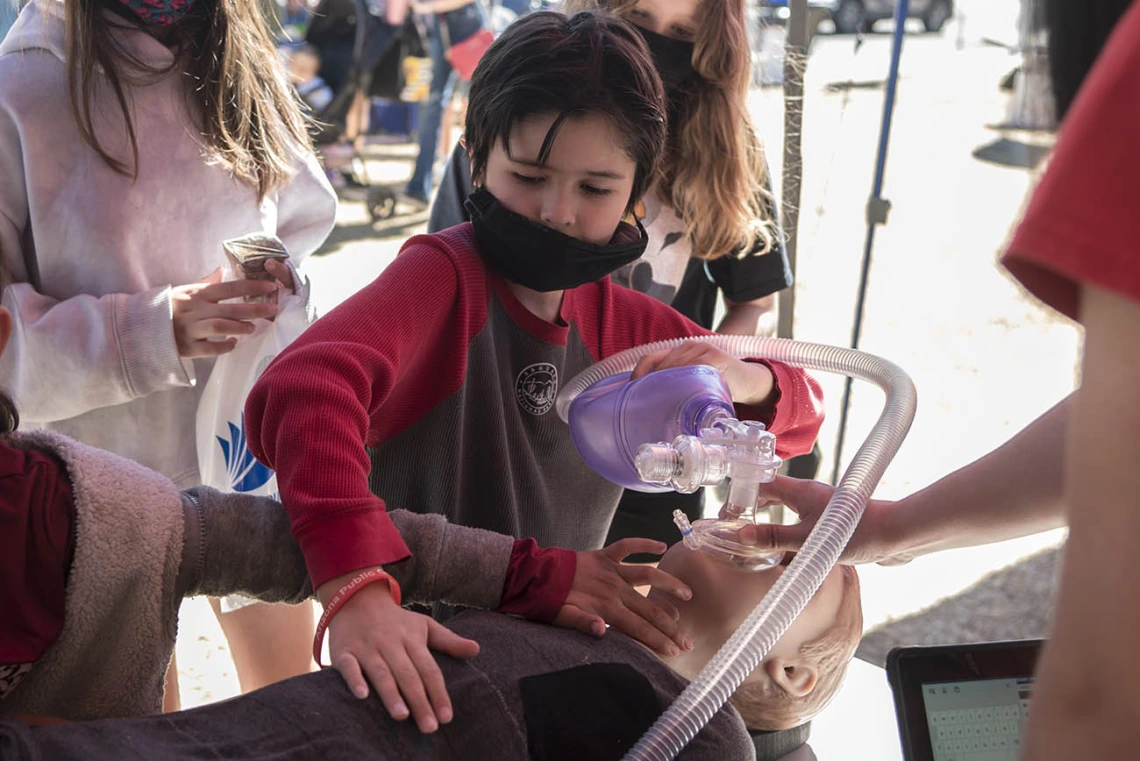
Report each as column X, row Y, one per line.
column 719, row 539
column 657, row 463
column 685, row 465
column 742, row 452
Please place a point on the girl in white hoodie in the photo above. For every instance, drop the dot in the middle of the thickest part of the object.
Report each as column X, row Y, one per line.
column 136, row 136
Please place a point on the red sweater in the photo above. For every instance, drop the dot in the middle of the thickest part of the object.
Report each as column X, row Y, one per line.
column 395, row 382
column 37, row 541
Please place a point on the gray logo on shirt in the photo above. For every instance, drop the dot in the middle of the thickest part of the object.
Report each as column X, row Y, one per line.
column 536, row 387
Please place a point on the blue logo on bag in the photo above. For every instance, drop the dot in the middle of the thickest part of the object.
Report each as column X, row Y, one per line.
column 245, row 472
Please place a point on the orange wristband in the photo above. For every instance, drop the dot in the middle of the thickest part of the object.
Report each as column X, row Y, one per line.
column 357, row 583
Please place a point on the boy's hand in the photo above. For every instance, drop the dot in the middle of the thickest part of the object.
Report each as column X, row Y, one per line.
column 872, row 542
column 372, row 637
column 603, row 592
column 749, row 382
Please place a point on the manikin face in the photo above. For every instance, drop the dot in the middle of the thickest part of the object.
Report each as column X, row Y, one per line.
column 724, row 596
column 669, row 18
column 583, row 187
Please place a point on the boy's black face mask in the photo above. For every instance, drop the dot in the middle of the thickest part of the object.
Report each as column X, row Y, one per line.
column 542, row 259
column 673, row 60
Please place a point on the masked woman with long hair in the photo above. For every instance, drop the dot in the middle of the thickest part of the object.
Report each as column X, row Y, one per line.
column 135, row 137
column 709, row 213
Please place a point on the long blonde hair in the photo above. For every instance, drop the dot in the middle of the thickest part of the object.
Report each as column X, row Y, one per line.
column 250, row 120
column 714, row 174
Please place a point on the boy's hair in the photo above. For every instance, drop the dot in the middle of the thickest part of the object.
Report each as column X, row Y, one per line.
column 590, row 62
column 764, row 705
column 250, row 120
column 714, row 173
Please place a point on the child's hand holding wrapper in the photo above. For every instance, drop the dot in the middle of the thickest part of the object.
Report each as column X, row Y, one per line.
column 259, row 257
column 210, row 314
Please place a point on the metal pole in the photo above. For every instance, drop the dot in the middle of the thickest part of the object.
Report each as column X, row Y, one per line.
column 877, row 208
column 795, row 61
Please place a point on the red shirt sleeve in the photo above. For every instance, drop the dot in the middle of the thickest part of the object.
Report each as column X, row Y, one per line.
column 37, row 514
column 627, row 318
column 357, row 376
column 794, row 414
column 538, row 581
column 1082, row 225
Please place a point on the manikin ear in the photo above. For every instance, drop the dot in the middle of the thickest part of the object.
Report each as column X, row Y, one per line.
column 5, row 328
column 797, row 678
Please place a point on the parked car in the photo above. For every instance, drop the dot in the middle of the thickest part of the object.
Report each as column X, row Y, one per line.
column 851, row 16
column 776, row 13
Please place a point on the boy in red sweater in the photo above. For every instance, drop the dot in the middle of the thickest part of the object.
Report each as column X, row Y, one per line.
column 97, row 553
column 432, row 388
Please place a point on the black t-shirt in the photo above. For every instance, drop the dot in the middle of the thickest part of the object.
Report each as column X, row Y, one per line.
column 742, row 279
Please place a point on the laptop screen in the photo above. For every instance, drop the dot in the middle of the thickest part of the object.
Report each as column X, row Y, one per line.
column 977, row 720
column 963, row 702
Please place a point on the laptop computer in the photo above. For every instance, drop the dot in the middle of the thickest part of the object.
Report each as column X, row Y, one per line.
column 963, row 702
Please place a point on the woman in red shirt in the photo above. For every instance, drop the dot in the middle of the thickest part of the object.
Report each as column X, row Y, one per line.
column 1078, row 250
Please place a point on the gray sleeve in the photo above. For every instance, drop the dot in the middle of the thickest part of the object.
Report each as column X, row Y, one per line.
column 450, row 563
column 238, row 544
column 447, row 209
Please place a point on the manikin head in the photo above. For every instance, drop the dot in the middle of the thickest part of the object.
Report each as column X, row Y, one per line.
column 804, row 669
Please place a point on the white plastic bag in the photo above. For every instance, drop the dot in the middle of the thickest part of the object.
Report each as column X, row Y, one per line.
column 224, row 459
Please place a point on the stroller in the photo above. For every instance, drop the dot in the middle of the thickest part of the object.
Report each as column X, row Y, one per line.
column 359, row 54
column 376, row 68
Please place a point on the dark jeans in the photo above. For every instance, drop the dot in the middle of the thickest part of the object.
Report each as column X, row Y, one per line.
column 446, row 29
column 431, row 114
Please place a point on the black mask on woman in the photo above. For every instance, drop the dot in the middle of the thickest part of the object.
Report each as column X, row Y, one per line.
column 673, row 60
column 540, row 258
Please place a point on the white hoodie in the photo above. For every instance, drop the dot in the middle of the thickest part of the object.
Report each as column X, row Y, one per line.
column 93, row 254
